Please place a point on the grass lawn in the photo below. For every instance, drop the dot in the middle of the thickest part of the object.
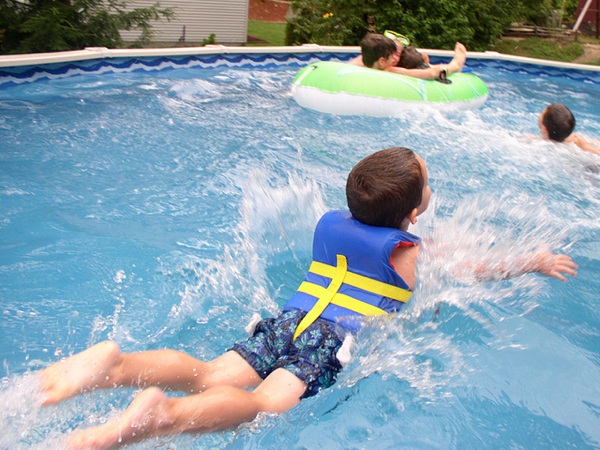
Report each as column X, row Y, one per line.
column 273, row 33
column 551, row 49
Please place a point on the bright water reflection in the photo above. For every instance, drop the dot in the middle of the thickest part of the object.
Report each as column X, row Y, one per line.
column 164, row 210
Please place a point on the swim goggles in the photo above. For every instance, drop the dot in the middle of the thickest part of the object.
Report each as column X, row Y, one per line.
column 397, row 37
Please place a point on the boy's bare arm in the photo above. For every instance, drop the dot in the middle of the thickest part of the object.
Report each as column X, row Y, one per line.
column 583, row 144
column 404, row 261
column 357, row 61
column 541, row 261
column 430, row 73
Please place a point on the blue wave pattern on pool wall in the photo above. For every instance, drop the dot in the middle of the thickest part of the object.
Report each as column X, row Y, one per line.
column 27, row 74
column 162, row 202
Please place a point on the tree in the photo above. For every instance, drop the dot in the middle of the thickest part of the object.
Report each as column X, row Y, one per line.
column 428, row 23
column 59, row 25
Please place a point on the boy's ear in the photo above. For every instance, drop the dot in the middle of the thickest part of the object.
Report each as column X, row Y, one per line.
column 412, row 216
column 379, row 63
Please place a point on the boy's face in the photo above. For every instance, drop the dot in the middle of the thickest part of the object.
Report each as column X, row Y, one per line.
column 384, row 63
column 399, row 49
column 426, row 189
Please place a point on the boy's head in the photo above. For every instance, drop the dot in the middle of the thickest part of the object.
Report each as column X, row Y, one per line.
column 412, row 59
column 556, row 122
column 374, row 47
column 387, row 188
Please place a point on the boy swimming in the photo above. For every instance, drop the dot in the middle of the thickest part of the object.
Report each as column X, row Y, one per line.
column 364, row 263
column 557, row 123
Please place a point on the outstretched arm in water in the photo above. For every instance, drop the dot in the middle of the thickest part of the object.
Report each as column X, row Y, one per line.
column 540, row 261
column 582, row 143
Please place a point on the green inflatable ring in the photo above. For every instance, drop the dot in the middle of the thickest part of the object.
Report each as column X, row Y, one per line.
column 345, row 89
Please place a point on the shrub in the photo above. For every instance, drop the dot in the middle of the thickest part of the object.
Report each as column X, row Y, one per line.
column 428, row 23
column 58, row 25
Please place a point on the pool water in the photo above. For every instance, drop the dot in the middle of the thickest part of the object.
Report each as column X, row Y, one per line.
column 164, row 206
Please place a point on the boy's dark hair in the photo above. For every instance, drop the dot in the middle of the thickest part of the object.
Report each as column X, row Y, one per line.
column 373, row 46
column 559, row 121
column 412, row 59
column 385, row 187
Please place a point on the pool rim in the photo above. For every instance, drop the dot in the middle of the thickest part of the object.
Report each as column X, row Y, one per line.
column 91, row 53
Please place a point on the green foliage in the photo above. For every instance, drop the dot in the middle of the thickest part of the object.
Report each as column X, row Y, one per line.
column 210, row 40
column 570, row 7
column 555, row 50
column 58, row 25
column 329, row 22
column 429, row 23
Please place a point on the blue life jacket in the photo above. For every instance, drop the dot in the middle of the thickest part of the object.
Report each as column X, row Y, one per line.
column 351, row 275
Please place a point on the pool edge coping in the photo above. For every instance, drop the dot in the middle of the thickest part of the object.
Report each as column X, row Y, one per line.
column 91, row 53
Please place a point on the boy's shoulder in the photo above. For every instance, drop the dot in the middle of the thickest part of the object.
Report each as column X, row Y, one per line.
column 582, row 143
column 573, row 139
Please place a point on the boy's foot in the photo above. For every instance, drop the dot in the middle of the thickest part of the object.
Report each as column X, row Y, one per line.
column 79, row 373
column 460, row 54
column 140, row 421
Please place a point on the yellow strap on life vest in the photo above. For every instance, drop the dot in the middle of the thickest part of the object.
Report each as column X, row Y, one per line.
column 362, row 282
column 341, row 300
column 337, row 278
column 339, row 275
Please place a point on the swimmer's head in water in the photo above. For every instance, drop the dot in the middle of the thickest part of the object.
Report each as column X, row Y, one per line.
column 556, row 122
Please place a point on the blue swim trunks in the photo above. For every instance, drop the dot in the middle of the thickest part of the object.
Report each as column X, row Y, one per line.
column 311, row 357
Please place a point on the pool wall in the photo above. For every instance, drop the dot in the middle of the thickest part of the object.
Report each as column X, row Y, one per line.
column 17, row 69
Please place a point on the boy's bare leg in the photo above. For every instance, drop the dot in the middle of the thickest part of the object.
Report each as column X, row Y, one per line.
column 218, row 408
column 78, row 373
column 104, row 366
column 459, row 59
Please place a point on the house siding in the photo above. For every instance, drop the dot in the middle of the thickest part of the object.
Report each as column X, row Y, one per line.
column 226, row 19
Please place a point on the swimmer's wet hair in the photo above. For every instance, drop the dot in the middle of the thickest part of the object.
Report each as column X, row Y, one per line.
column 411, row 58
column 559, row 121
column 385, row 187
column 374, row 46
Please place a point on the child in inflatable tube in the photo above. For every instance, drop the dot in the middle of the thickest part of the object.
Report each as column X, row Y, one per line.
column 382, row 53
column 364, row 265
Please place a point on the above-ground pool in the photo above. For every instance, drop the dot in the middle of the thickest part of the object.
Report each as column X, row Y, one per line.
column 161, row 202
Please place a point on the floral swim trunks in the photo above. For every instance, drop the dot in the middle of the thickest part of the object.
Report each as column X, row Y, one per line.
column 311, row 357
